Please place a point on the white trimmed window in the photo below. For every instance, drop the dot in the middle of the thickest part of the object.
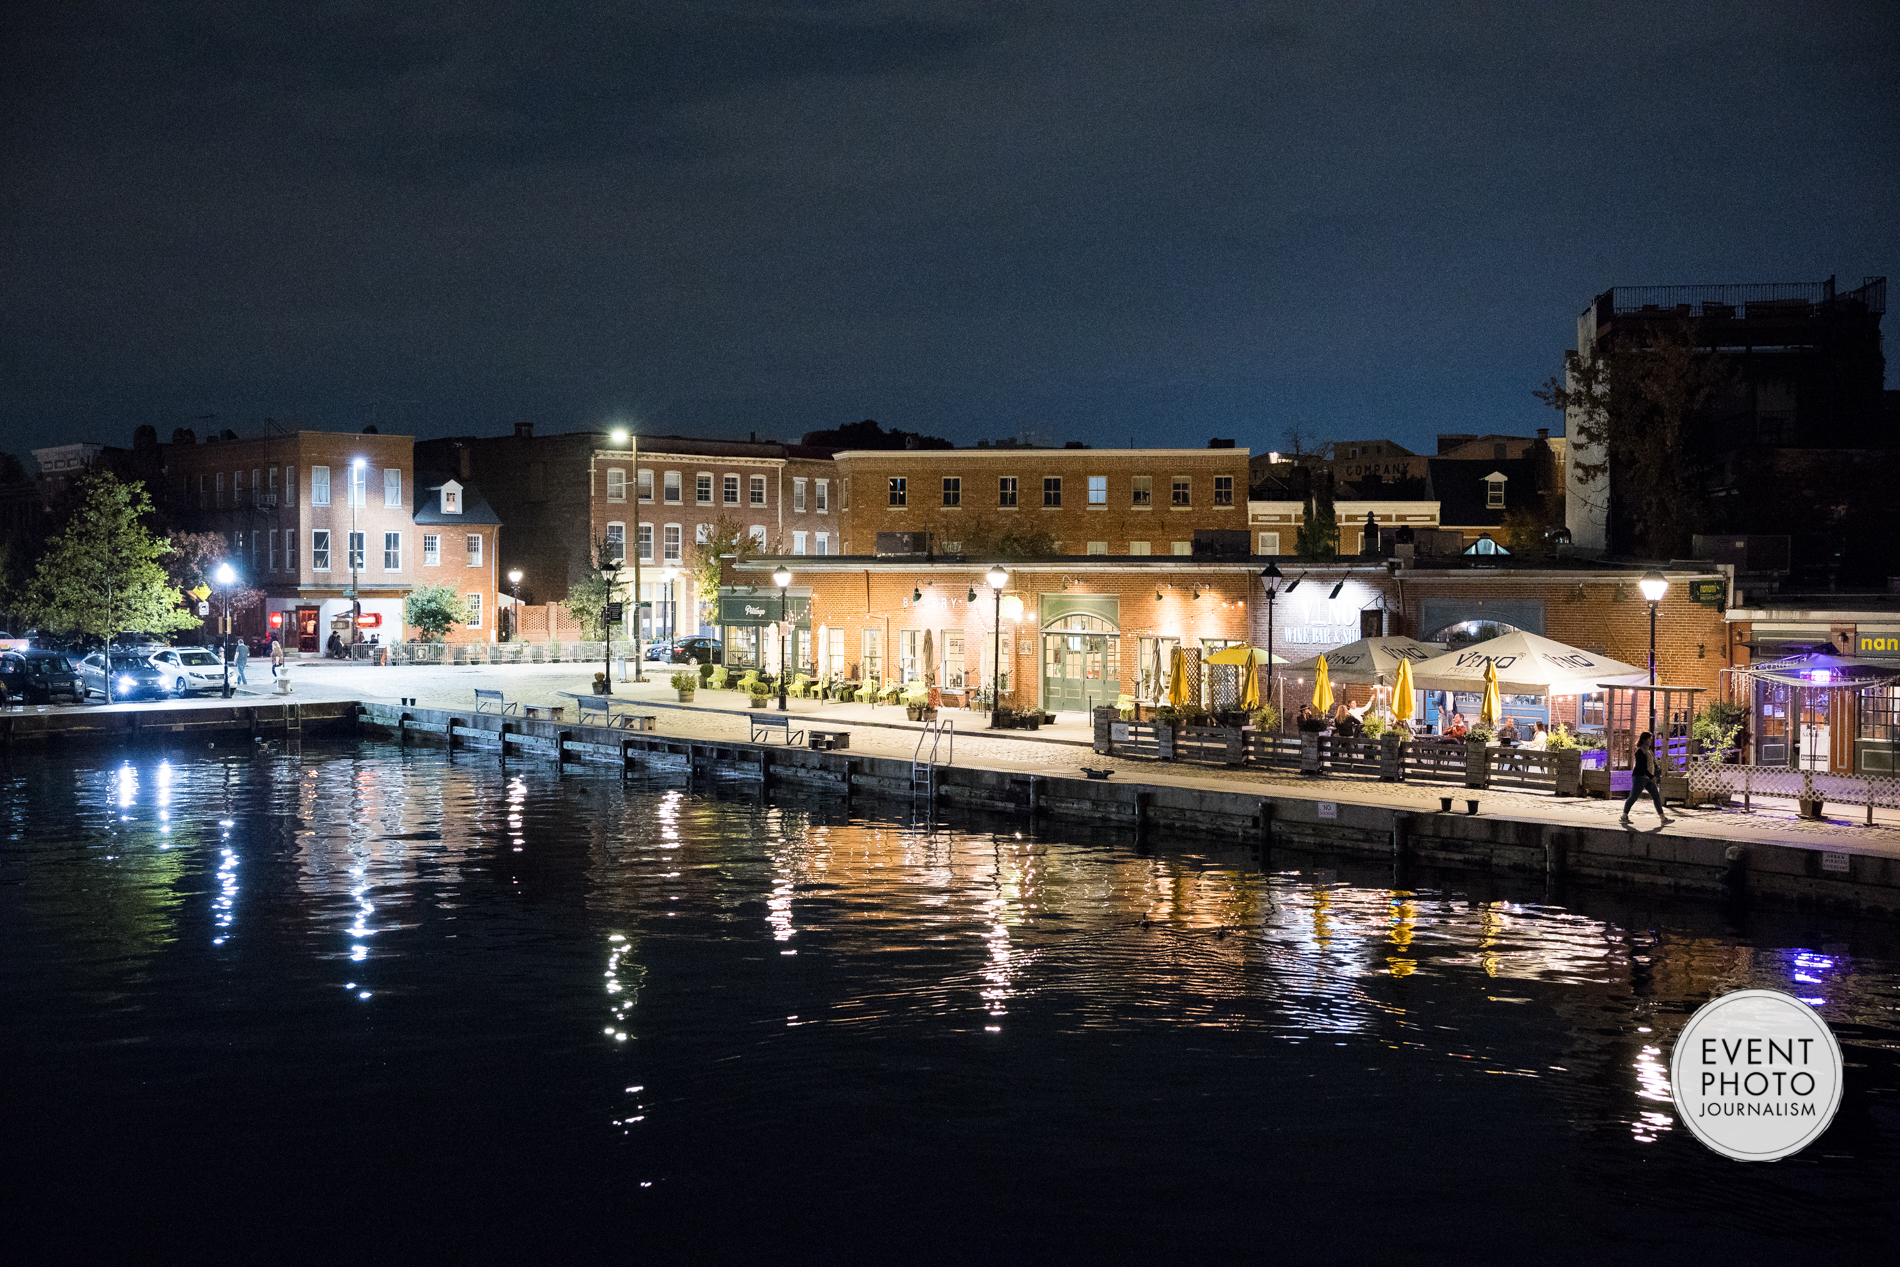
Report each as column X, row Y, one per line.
column 824, row 544
column 392, row 552
column 474, row 549
column 431, row 549
column 702, row 488
column 700, row 533
column 798, row 543
column 758, row 535
column 758, row 490
column 274, row 534
column 474, row 620
column 645, row 543
column 290, row 485
column 1183, row 547
column 1269, row 543
column 220, row 502
column 1098, row 547
column 1137, row 547
column 358, row 546
column 320, row 549
column 1182, row 493
column 392, row 486
column 672, row 486
column 617, row 543
column 671, row 544
column 616, row 484
column 1098, row 491
column 319, row 486
column 731, row 486
column 798, row 495
column 359, row 484
column 643, row 480
column 824, row 497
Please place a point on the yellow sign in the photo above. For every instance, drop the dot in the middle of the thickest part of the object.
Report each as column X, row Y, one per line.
column 201, row 593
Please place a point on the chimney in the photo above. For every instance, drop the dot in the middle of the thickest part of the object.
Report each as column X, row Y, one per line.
column 1543, row 433
column 461, row 453
column 524, row 431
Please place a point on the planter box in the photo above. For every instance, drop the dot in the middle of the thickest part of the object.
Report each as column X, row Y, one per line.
column 686, row 697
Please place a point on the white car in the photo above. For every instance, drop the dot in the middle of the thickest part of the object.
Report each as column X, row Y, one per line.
column 190, row 668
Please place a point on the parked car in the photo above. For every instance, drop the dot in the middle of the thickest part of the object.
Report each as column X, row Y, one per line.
column 191, row 669
column 38, row 677
column 132, row 677
column 694, row 650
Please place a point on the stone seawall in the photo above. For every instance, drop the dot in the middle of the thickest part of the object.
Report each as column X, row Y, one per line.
column 1324, row 820
column 22, row 726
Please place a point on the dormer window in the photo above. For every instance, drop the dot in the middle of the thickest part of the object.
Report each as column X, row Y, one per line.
column 451, row 498
column 1494, row 490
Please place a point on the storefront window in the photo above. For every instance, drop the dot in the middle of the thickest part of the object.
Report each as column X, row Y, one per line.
column 1878, row 742
column 952, row 675
column 910, row 655
column 872, row 669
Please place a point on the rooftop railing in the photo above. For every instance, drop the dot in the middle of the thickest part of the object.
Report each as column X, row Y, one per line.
column 1754, row 299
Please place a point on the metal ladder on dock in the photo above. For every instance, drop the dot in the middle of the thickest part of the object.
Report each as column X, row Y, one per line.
column 923, row 765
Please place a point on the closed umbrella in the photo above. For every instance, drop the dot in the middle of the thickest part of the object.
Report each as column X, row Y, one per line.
column 1322, row 688
column 1177, row 679
column 1250, row 685
column 1402, row 706
column 1491, row 710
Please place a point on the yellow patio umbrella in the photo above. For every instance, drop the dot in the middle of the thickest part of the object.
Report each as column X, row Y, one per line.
column 1402, row 706
column 1177, row 679
column 1322, row 688
column 1237, row 654
column 1250, row 682
column 1491, row 710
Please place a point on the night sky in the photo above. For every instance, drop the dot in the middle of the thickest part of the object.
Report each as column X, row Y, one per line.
column 1148, row 222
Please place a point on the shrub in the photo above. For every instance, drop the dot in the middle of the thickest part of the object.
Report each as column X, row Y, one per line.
column 706, row 672
column 1715, row 728
column 685, row 681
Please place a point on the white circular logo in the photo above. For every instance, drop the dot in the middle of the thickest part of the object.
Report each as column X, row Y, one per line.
column 1756, row 1075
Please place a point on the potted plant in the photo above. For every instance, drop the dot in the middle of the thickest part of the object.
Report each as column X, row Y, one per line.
column 706, row 672
column 685, row 684
column 760, row 693
column 600, row 683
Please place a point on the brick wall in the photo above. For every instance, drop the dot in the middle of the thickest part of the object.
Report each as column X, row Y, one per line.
column 1116, row 523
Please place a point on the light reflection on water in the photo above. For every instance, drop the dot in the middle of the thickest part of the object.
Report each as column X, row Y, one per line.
column 731, row 958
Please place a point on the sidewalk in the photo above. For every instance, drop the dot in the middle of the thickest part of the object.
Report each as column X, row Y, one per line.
column 1063, row 749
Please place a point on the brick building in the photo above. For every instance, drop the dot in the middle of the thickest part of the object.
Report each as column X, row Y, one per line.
column 316, row 532
column 1093, row 628
column 564, row 496
column 1088, row 501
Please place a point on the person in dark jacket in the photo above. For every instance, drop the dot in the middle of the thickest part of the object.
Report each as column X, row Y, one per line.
column 1643, row 778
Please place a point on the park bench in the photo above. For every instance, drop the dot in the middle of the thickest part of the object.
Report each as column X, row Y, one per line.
column 830, row 740
column 782, row 724
column 544, row 712
column 600, row 708
column 484, row 698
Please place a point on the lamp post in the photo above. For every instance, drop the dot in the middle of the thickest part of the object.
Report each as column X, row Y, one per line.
column 609, row 572
column 671, row 577
column 997, row 578
column 224, row 578
column 514, row 610
column 357, row 469
column 783, row 578
column 1270, row 576
column 1654, row 585
column 620, row 436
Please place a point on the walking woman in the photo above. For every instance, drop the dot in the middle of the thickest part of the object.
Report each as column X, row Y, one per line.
column 1643, row 777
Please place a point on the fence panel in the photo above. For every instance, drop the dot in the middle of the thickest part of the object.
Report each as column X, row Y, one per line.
column 1201, row 743
column 1136, row 738
column 1517, row 767
column 1429, row 761
column 1273, row 751
column 1349, row 756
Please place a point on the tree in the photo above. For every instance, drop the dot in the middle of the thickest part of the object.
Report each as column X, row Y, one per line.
column 100, row 574
column 194, row 561
column 869, row 435
column 1526, row 530
column 1640, row 403
column 726, row 536
column 1318, row 535
column 984, row 541
column 434, row 610
column 587, row 598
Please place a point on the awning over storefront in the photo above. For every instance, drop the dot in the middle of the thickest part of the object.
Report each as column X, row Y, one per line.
column 1527, row 664
column 758, row 609
column 1819, row 669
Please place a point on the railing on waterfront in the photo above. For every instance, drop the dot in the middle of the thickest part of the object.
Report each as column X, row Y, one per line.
column 451, row 653
column 1388, row 759
column 1715, row 778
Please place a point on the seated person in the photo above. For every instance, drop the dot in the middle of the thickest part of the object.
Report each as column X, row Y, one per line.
column 1345, row 724
column 1310, row 719
column 1457, row 727
column 1507, row 733
column 1540, row 738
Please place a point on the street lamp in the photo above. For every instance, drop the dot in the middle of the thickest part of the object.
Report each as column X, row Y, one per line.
column 1654, row 585
column 225, row 576
column 1270, row 576
column 671, row 576
column 783, row 578
column 514, row 612
column 997, row 578
column 356, row 601
column 621, row 438
column 609, row 572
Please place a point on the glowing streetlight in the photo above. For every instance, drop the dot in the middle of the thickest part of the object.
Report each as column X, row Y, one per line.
column 997, row 578
column 514, row 615
column 224, row 576
column 1654, row 585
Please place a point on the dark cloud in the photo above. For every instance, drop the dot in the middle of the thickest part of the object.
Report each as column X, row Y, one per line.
column 1154, row 222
